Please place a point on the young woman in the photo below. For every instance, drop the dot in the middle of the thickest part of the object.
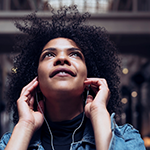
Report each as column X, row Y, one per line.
column 65, row 88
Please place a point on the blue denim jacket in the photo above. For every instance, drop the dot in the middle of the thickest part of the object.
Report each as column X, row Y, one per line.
column 123, row 138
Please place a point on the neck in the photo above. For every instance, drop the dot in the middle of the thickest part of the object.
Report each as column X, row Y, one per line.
column 63, row 107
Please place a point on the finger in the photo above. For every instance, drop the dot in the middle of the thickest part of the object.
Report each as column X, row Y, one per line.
column 104, row 81
column 95, row 89
column 29, row 89
column 89, row 99
column 29, row 85
column 100, row 87
column 95, row 81
column 23, row 98
column 27, row 96
column 31, row 102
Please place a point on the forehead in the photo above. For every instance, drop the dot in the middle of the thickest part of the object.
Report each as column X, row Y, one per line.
column 61, row 43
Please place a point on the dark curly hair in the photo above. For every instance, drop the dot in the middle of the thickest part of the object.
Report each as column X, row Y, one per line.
column 99, row 52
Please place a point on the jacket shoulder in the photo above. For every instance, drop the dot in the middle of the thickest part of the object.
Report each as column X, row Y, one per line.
column 4, row 140
column 128, row 130
column 131, row 136
column 125, row 137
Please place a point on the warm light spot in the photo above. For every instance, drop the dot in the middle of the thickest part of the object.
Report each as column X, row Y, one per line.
column 146, row 141
column 14, row 70
column 125, row 70
column 124, row 100
column 134, row 94
column 123, row 116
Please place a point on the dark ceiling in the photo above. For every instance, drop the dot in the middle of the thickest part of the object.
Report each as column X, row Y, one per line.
column 126, row 44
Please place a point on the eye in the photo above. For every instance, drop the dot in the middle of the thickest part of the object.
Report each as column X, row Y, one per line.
column 48, row 55
column 76, row 54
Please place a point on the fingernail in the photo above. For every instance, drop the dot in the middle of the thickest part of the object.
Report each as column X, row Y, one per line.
column 89, row 97
column 87, row 78
column 35, row 82
column 34, row 78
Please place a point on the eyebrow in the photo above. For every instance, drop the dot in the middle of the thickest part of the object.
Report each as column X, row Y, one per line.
column 54, row 49
column 50, row 49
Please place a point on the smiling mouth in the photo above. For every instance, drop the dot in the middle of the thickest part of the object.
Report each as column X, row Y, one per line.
column 62, row 73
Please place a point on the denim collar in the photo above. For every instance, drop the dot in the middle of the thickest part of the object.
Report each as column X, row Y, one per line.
column 88, row 135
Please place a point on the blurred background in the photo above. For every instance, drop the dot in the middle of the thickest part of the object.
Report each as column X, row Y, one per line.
column 127, row 22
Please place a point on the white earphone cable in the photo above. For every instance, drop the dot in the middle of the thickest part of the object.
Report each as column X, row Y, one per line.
column 73, row 135
column 46, row 122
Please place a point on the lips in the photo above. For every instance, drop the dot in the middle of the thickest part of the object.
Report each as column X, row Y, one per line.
column 62, row 71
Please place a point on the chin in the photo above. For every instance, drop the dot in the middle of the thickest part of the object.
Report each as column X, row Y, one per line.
column 68, row 90
column 63, row 88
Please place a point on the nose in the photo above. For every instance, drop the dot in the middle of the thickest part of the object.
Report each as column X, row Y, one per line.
column 62, row 60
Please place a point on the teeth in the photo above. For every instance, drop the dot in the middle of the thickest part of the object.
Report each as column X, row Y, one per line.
column 62, row 72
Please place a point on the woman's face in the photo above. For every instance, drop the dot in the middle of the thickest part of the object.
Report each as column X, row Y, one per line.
column 62, row 68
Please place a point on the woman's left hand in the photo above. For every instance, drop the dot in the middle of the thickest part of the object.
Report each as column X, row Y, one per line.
column 96, row 110
column 100, row 88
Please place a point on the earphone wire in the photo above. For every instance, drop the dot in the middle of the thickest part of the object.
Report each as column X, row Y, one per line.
column 73, row 135
column 82, row 117
column 87, row 94
column 78, row 128
column 52, row 145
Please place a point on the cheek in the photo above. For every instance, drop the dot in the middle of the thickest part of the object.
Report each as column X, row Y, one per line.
column 83, row 77
column 43, row 69
column 83, row 72
column 42, row 74
column 42, row 79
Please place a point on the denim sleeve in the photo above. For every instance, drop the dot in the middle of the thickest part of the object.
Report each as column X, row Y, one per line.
column 4, row 140
column 125, row 137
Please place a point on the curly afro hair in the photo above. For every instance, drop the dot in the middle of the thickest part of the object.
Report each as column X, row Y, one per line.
column 99, row 52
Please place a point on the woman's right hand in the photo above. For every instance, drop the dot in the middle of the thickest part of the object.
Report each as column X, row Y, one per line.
column 29, row 120
column 25, row 105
